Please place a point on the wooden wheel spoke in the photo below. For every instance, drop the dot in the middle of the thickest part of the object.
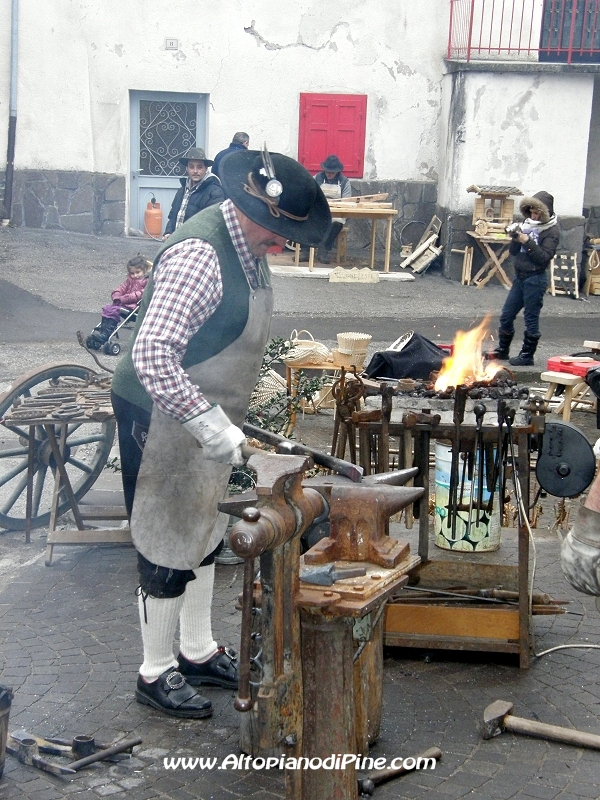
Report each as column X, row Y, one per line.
column 80, row 465
column 38, row 488
column 19, row 431
column 16, row 451
column 8, row 476
column 92, row 439
column 72, row 428
column 18, row 491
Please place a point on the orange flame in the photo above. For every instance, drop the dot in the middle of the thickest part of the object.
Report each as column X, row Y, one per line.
column 466, row 364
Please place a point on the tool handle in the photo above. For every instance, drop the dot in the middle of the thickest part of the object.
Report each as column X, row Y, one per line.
column 346, row 468
column 383, row 775
column 555, row 732
column 102, row 754
column 243, row 701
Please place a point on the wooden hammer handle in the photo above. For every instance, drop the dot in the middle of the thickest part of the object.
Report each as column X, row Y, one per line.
column 554, row 732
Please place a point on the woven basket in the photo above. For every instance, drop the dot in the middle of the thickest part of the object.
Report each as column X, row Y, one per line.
column 269, row 386
column 352, row 342
column 305, row 350
column 348, row 359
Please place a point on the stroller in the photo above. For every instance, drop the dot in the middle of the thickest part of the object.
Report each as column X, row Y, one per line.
column 105, row 335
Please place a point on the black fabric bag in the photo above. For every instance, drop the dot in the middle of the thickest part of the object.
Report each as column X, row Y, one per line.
column 417, row 359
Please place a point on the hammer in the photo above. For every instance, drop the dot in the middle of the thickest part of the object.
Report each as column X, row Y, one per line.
column 498, row 717
column 366, row 785
column 291, row 448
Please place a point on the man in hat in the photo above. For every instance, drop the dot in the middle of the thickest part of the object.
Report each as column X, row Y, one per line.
column 180, row 398
column 240, row 141
column 335, row 185
column 199, row 190
column 533, row 247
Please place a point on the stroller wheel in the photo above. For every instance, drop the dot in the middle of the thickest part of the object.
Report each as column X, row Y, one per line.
column 112, row 348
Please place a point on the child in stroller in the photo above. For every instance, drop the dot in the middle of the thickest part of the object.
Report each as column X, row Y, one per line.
column 125, row 300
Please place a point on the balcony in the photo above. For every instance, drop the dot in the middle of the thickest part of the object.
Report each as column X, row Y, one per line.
column 550, row 31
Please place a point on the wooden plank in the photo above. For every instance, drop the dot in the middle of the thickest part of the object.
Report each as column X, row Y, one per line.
column 103, row 512
column 443, row 574
column 450, row 643
column 475, row 623
column 89, row 537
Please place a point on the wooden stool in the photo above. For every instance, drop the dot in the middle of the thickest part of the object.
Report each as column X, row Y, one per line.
column 341, row 247
column 576, row 390
column 311, row 257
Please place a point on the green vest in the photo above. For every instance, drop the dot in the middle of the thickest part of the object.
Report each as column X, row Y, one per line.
column 221, row 329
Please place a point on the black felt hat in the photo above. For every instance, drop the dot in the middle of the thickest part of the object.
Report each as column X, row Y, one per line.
column 332, row 164
column 288, row 202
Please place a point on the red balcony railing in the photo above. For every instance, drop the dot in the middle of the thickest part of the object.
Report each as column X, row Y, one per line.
column 565, row 31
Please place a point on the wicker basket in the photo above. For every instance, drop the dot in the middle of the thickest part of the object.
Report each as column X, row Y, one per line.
column 352, row 342
column 305, row 350
column 349, row 359
column 269, row 386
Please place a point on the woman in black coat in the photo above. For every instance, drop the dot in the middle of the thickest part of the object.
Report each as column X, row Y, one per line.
column 533, row 247
column 199, row 190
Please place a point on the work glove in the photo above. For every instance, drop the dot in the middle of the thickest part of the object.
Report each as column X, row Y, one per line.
column 219, row 438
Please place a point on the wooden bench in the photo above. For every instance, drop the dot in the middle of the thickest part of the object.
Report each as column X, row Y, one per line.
column 577, row 392
column 340, row 251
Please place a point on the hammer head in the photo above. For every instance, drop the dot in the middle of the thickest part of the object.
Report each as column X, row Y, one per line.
column 493, row 718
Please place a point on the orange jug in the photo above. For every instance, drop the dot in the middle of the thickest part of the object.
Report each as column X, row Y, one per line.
column 153, row 219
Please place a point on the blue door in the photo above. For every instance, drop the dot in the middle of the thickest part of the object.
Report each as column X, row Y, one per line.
column 164, row 125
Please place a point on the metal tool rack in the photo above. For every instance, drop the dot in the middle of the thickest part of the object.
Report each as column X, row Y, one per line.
column 499, row 628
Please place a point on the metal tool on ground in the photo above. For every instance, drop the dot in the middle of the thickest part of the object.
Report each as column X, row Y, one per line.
column 367, row 784
column 328, row 574
column 288, row 447
column 26, row 748
column 498, row 717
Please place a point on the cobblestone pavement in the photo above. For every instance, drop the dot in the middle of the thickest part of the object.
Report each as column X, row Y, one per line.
column 70, row 648
column 69, row 635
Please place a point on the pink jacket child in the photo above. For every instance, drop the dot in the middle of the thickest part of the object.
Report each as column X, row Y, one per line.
column 126, row 296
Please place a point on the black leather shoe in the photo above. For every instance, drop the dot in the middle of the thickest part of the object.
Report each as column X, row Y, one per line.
column 324, row 256
column 172, row 694
column 220, row 670
column 304, row 256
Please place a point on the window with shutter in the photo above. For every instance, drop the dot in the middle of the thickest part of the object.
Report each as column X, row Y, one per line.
column 333, row 123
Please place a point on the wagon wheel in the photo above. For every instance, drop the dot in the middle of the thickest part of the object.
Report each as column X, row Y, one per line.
column 86, row 453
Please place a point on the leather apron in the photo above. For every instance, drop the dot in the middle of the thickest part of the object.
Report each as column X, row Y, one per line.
column 175, row 520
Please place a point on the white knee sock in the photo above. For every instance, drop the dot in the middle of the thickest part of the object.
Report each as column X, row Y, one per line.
column 196, row 639
column 158, row 634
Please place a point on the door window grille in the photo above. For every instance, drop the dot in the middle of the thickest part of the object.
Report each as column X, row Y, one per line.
column 167, row 131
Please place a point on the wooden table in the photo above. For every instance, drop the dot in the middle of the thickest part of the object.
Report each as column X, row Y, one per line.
column 495, row 250
column 362, row 211
column 291, row 379
column 56, row 431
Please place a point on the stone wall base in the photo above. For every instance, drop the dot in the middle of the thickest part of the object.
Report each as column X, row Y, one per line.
column 454, row 237
column 83, row 202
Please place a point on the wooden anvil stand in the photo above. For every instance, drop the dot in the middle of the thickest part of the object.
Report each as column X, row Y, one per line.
column 321, row 655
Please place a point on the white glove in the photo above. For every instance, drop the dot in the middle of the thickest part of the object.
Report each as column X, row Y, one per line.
column 221, row 440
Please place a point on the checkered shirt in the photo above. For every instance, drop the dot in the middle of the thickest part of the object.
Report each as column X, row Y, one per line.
column 187, row 291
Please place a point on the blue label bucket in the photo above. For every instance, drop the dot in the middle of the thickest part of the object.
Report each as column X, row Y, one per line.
column 469, row 535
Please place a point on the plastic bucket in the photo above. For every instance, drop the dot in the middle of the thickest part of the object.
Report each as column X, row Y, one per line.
column 6, row 697
column 469, row 536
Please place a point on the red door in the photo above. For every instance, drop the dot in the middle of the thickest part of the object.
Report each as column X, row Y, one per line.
column 333, row 123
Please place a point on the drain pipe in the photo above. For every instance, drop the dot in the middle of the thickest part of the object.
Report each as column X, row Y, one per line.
column 12, row 119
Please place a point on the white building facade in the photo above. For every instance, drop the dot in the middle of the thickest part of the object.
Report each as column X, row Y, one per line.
column 108, row 93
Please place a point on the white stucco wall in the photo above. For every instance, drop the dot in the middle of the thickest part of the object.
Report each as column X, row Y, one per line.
column 524, row 130
column 78, row 60
column 592, row 182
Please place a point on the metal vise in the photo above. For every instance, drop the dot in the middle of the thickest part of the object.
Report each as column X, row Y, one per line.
column 321, row 646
